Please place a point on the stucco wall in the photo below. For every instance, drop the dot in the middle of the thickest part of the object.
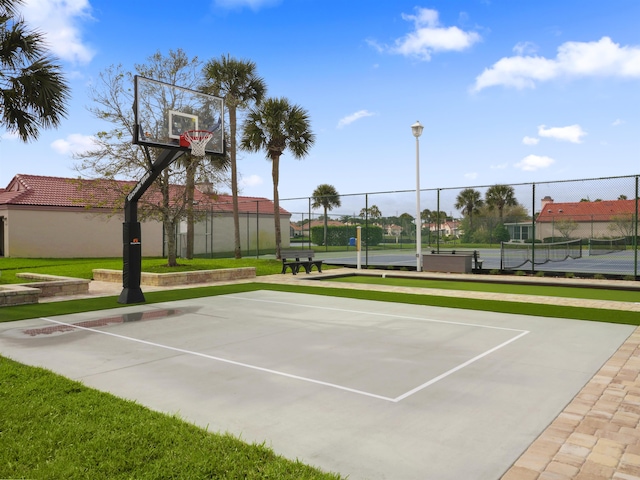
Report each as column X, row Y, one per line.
column 59, row 233
column 582, row 230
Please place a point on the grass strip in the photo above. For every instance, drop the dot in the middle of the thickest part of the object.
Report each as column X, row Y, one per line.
column 498, row 306
column 494, row 287
column 521, row 308
column 83, row 267
column 53, row 427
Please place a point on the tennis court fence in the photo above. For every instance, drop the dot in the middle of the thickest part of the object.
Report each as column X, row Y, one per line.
column 536, row 224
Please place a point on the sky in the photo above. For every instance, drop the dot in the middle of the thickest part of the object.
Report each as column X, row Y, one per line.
column 507, row 91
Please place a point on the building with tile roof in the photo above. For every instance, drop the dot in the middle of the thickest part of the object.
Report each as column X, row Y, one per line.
column 43, row 216
column 597, row 219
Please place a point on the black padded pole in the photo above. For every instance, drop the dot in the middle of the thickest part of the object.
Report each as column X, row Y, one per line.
column 132, row 233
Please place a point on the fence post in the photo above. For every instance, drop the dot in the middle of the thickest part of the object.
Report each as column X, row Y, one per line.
column 358, row 249
column 438, row 220
column 309, row 225
column 635, row 237
column 533, row 227
column 366, row 229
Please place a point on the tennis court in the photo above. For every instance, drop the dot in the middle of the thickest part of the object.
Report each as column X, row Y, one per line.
column 616, row 263
column 367, row 389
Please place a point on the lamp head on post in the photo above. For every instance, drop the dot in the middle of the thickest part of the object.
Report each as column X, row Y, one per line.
column 416, row 129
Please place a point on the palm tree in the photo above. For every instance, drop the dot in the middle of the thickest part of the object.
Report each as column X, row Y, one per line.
column 500, row 196
column 274, row 126
column 469, row 202
column 327, row 197
column 236, row 81
column 33, row 91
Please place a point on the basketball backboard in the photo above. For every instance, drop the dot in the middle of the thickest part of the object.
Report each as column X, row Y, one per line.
column 163, row 112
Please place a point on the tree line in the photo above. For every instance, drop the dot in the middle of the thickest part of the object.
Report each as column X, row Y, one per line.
column 483, row 221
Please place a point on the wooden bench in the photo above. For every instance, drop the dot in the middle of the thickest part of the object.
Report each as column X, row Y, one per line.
column 294, row 259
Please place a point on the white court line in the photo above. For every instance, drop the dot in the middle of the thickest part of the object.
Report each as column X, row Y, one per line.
column 522, row 333
column 319, row 382
column 459, row 367
column 220, row 359
column 418, row 319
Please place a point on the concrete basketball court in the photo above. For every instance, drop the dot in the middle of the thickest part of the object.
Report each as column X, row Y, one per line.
column 372, row 390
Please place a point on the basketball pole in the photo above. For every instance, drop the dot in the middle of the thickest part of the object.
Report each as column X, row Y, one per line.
column 131, row 230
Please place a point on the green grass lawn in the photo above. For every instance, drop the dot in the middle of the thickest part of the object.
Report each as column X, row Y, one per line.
column 494, row 287
column 83, row 267
column 55, row 428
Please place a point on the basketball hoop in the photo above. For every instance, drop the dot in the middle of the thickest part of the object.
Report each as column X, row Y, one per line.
column 197, row 140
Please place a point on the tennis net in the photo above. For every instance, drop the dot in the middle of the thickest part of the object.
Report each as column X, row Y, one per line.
column 603, row 246
column 515, row 255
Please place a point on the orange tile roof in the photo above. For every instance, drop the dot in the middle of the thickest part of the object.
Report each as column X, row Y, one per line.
column 38, row 190
column 600, row 211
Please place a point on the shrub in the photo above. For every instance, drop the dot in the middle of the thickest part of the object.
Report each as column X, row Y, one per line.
column 520, row 273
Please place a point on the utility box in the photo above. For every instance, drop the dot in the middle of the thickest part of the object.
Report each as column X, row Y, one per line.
column 447, row 263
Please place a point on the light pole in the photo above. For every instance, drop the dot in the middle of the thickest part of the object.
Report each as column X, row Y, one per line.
column 416, row 129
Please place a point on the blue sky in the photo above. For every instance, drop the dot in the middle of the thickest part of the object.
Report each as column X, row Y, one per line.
column 508, row 91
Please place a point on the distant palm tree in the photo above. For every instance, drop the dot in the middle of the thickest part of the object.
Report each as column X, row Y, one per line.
column 241, row 87
column 469, row 202
column 33, row 90
column 500, row 196
column 327, row 197
column 274, row 126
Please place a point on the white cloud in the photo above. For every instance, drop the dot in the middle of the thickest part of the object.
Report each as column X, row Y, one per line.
column 60, row 21
column 530, row 140
column 471, row 175
column 251, row 181
column 572, row 133
column 531, row 163
column 603, row 58
column 353, row 117
column 617, row 122
column 525, row 48
column 73, row 144
column 428, row 37
column 500, row 166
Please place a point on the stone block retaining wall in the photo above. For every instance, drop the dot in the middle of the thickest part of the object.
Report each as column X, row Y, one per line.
column 178, row 278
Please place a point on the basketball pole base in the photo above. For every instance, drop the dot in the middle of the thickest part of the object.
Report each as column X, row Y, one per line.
column 131, row 295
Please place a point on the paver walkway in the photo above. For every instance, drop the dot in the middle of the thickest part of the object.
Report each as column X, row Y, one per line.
column 596, row 437
column 597, row 434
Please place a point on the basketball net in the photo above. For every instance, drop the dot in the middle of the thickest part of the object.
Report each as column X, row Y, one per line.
column 197, row 140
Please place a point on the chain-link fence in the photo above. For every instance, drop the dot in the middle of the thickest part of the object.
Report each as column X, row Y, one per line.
column 214, row 232
column 587, row 226
column 524, row 226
